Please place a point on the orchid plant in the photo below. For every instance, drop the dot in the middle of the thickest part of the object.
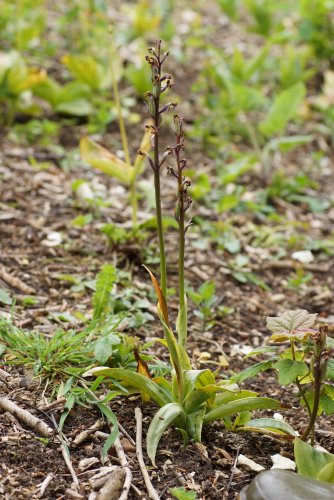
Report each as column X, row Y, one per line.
column 191, row 398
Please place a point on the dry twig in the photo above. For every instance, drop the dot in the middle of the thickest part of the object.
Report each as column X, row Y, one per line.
column 87, row 432
column 26, row 417
column 152, row 493
column 124, row 463
column 67, row 459
column 16, row 282
column 45, row 484
column 52, row 405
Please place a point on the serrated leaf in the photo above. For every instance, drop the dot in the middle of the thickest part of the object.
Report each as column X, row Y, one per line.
column 104, row 347
column 291, row 324
column 291, row 320
column 289, row 370
column 161, row 421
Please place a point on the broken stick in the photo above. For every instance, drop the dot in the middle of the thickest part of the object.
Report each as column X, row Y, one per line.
column 152, row 493
column 26, row 417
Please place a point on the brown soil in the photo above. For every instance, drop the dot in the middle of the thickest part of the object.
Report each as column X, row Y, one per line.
column 36, row 202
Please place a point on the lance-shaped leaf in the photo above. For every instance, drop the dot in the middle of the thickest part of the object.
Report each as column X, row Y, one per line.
column 269, row 424
column 295, row 324
column 246, row 404
column 161, row 421
column 108, row 163
column 132, row 380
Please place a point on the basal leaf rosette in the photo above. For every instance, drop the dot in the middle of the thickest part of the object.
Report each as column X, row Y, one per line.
column 291, row 325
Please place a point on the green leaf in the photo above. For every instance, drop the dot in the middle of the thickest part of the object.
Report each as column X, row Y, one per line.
column 195, row 424
column 283, row 108
column 295, row 325
column 5, row 298
column 182, row 323
column 309, row 460
column 238, row 406
column 253, row 370
column 261, row 350
column 330, row 342
column 77, row 107
column 288, row 143
column 326, row 473
column 242, row 419
column 330, row 368
column 112, row 419
column 291, row 320
column 161, row 421
column 226, row 397
column 104, row 347
column 130, row 380
column 271, row 424
column 289, row 370
column 182, row 494
column 232, row 171
column 327, row 405
column 104, row 283
column 87, row 70
column 100, row 158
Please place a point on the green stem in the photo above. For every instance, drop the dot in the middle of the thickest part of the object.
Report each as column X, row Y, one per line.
column 317, row 391
column 301, row 390
column 134, row 202
column 182, row 301
column 163, row 266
